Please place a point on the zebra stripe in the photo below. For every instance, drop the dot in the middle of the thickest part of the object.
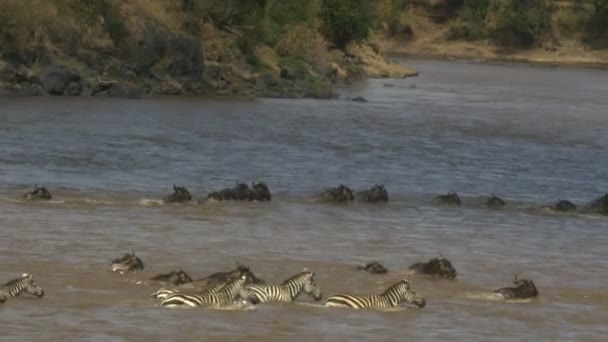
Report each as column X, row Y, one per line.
column 17, row 286
column 394, row 295
column 223, row 296
column 164, row 292
column 288, row 291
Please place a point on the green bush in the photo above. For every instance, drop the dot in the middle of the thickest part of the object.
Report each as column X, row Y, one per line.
column 281, row 14
column 598, row 26
column 345, row 21
column 466, row 30
column 521, row 23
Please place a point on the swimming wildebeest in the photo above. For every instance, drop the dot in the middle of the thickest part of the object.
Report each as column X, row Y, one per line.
column 240, row 192
column 128, row 263
column 373, row 268
column 377, row 193
column 449, row 198
column 495, row 202
column 259, row 192
column 561, row 206
column 523, row 289
column 225, row 277
column 39, row 193
column 598, row 205
column 440, row 267
column 174, row 277
column 180, row 195
column 339, row 194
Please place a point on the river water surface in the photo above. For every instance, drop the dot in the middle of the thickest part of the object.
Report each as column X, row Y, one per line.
column 528, row 134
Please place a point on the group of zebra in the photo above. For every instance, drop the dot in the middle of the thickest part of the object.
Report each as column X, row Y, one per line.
column 239, row 289
column 241, row 285
column 18, row 286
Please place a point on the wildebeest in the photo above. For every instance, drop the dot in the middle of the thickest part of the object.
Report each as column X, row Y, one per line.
column 240, row 192
column 180, row 195
column 598, row 205
column 259, row 192
column 174, row 277
column 39, row 193
column 224, row 277
column 128, row 263
column 495, row 202
column 339, row 194
column 561, row 206
column 373, row 268
column 377, row 193
column 449, row 198
column 523, row 289
column 440, row 267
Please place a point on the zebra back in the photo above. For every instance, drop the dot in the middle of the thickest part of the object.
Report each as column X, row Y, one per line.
column 288, row 291
column 222, row 296
column 16, row 287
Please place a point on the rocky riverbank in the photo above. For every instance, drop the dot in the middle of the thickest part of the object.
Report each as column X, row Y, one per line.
column 150, row 51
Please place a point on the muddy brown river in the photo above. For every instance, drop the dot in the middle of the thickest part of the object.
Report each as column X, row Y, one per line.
column 528, row 134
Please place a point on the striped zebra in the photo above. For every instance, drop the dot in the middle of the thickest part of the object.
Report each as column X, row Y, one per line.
column 394, row 295
column 164, row 292
column 17, row 286
column 288, row 291
column 225, row 295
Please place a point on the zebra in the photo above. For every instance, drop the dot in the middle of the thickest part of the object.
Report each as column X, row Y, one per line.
column 394, row 295
column 225, row 295
column 17, row 286
column 164, row 292
column 288, row 291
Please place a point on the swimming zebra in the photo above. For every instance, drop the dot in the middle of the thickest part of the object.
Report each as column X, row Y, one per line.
column 288, row 291
column 394, row 295
column 17, row 286
column 229, row 293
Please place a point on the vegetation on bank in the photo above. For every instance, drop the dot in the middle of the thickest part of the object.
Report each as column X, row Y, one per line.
column 524, row 23
column 256, row 46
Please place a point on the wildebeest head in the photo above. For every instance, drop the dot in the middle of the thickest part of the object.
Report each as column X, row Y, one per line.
column 41, row 193
column 128, row 263
column 440, row 267
column 339, row 194
column 174, row 277
column 377, row 193
column 449, row 198
column 564, row 206
column 259, row 192
column 523, row 289
column 373, row 268
column 180, row 194
column 242, row 191
column 495, row 201
column 598, row 205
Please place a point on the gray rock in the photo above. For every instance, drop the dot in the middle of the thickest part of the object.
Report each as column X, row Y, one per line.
column 73, row 89
column 359, row 99
column 55, row 81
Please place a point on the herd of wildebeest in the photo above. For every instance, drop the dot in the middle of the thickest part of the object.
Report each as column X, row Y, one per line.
column 242, row 286
column 342, row 194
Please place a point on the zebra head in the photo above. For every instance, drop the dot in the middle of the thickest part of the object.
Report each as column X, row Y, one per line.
column 303, row 282
column 311, row 288
column 30, row 285
column 401, row 292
